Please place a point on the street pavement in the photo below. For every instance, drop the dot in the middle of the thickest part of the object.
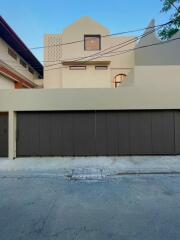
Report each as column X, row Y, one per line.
column 88, row 205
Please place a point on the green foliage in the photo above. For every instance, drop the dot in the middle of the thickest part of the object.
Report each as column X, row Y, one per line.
column 169, row 30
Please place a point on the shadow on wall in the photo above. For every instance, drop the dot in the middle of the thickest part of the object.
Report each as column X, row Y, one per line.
column 129, row 80
column 157, row 55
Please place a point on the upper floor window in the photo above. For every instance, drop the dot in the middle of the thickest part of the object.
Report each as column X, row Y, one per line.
column 31, row 70
column 22, row 63
column 12, row 53
column 101, row 67
column 92, row 42
column 77, row 67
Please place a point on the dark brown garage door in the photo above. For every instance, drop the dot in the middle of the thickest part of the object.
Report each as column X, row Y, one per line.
column 98, row 133
column 3, row 134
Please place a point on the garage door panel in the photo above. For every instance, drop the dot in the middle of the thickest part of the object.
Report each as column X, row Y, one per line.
column 3, row 134
column 101, row 134
column 45, row 130
column 123, row 133
column 65, row 140
column 177, row 132
column 140, row 132
column 55, row 134
column 112, row 137
column 163, row 132
column 83, row 133
column 67, row 145
column 27, row 134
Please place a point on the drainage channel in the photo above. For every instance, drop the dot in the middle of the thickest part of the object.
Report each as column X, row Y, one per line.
column 86, row 174
column 101, row 174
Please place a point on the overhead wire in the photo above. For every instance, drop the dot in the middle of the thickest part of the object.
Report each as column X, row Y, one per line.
column 103, row 36
column 104, row 52
column 107, row 50
column 134, row 49
column 118, row 45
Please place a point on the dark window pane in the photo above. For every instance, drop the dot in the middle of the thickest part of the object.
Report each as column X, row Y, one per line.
column 31, row 70
column 12, row 53
column 101, row 67
column 77, row 67
column 22, row 63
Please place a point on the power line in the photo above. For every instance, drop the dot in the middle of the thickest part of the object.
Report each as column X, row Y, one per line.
column 101, row 53
column 80, row 58
column 126, row 44
column 133, row 49
column 118, row 45
column 145, row 46
column 103, row 36
column 140, row 37
column 114, row 47
column 92, row 55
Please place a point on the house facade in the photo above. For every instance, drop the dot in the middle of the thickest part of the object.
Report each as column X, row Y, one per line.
column 85, row 55
column 78, row 65
column 19, row 68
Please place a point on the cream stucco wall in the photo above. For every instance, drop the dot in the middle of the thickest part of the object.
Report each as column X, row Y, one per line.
column 76, row 32
column 159, row 77
column 52, row 77
column 154, row 88
column 57, row 75
column 88, row 78
column 6, row 83
column 52, row 55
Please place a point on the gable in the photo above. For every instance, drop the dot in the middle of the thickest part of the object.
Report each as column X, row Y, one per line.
column 85, row 25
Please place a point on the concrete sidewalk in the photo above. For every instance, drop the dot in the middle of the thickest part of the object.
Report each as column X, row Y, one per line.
column 95, row 165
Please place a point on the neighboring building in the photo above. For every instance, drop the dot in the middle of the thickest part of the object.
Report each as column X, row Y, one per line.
column 67, row 67
column 104, row 72
column 19, row 68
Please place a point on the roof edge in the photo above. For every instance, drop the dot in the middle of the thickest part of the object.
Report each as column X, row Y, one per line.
column 19, row 46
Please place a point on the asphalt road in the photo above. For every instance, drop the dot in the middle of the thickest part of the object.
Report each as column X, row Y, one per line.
column 47, row 207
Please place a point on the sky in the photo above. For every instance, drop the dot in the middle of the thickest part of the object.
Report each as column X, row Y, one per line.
column 31, row 19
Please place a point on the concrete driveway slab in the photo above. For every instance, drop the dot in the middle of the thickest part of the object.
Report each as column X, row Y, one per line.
column 107, row 165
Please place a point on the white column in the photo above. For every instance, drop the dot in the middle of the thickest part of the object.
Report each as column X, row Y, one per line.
column 12, row 135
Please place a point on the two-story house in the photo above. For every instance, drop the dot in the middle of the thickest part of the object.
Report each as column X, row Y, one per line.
column 72, row 61
column 86, row 55
column 19, row 68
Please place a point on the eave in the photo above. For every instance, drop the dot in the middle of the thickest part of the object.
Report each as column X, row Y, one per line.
column 12, row 39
